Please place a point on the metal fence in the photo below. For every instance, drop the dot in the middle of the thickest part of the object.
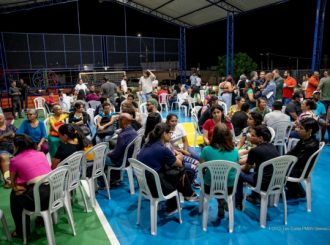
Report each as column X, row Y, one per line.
column 37, row 53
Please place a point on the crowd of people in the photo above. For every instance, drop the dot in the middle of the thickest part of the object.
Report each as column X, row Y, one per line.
column 234, row 119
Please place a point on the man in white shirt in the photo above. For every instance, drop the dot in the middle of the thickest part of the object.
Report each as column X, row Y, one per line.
column 145, row 84
column 276, row 115
column 123, row 84
column 81, row 86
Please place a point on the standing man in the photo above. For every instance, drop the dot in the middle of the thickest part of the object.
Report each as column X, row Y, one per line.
column 279, row 84
column 194, row 77
column 288, row 87
column 270, row 90
column 15, row 94
column 123, row 85
column 108, row 90
column 24, row 89
column 312, row 84
column 324, row 88
column 145, row 84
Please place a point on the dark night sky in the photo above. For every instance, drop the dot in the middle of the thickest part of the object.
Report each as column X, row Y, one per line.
column 286, row 29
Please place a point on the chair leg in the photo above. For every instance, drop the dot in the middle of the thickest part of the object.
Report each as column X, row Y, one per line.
column 91, row 191
column 285, row 208
column 308, row 194
column 263, row 211
column 24, row 227
column 179, row 207
column 130, row 179
column 231, row 210
column 107, row 185
column 276, row 200
column 205, row 212
column 108, row 174
column 84, row 198
column 139, row 209
column 68, row 208
column 49, row 227
column 153, row 216
column 5, row 227
column 201, row 198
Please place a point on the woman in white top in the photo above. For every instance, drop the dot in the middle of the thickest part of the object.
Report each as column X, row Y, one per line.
column 179, row 137
column 81, row 86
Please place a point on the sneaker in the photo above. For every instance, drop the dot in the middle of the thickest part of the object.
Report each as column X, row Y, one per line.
column 196, row 185
column 193, row 198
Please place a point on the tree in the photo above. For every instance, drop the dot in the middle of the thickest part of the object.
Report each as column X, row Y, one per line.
column 242, row 64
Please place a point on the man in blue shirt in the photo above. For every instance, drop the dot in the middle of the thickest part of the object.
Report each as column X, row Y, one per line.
column 126, row 136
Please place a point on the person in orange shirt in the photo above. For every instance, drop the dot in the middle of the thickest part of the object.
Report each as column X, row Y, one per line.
column 288, row 87
column 313, row 82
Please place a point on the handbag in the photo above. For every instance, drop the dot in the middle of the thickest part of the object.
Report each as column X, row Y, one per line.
column 108, row 130
column 85, row 129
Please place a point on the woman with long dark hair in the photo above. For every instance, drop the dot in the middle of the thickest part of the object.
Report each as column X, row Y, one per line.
column 168, row 166
column 26, row 168
column 72, row 140
column 221, row 148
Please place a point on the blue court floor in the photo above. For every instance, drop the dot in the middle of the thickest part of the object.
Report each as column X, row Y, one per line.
column 302, row 227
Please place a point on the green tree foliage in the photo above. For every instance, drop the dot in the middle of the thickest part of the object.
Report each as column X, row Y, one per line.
column 242, row 64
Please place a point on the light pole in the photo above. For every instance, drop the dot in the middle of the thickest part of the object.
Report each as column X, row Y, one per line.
column 261, row 63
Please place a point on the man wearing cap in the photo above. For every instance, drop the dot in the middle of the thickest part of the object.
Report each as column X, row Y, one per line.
column 126, row 136
column 152, row 105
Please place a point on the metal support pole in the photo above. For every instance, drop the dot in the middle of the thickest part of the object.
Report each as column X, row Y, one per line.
column 230, row 44
column 318, row 34
column 182, row 54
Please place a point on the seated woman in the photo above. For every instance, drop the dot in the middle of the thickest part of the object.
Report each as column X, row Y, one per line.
column 7, row 133
column 217, row 116
column 35, row 129
column 221, row 148
column 168, row 166
column 80, row 118
column 152, row 120
column 72, row 140
column 244, row 145
column 26, row 168
column 306, row 146
column 55, row 121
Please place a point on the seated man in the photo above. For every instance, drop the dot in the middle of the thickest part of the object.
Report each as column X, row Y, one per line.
column 126, row 136
column 105, row 124
column 260, row 136
column 276, row 114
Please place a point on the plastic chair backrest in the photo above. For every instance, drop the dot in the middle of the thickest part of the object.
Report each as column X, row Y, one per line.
column 163, row 98
column 143, row 108
column 46, row 123
column 74, row 163
column 90, row 112
column 202, row 93
column 282, row 167
column 224, row 106
column 94, row 104
column 141, row 131
column 272, row 132
column 219, row 171
column 57, row 180
column 282, row 132
column 99, row 156
column 312, row 160
column 136, row 149
column 39, row 102
column 195, row 110
column 140, row 170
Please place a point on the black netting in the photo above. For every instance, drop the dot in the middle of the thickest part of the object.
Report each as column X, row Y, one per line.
column 133, row 44
column 15, row 42
column 55, row 59
column 86, row 43
column 36, row 42
column 120, row 44
column 38, row 60
column 54, row 42
column 97, row 43
column 72, row 43
column 73, row 59
column 18, row 60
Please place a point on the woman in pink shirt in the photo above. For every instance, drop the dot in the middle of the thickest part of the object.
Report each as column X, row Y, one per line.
column 26, row 168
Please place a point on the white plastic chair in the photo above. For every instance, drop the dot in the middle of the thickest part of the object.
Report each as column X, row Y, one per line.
column 65, row 106
column 292, row 142
column 136, row 143
column 74, row 163
column 202, row 93
column 272, row 132
column 177, row 103
column 163, row 101
column 282, row 133
column 307, row 178
column 219, row 171
column 90, row 112
column 57, row 180
column 195, row 110
column 5, row 226
column 196, row 127
column 282, row 167
column 140, row 170
column 94, row 104
column 39, row 104
column 224, row 106
column 141, row 131
column 143, row 108
column 99, row 156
